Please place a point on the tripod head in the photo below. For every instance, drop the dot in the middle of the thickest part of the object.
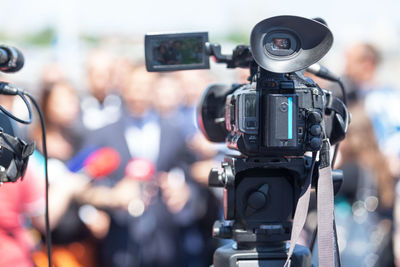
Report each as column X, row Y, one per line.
column 260, row 196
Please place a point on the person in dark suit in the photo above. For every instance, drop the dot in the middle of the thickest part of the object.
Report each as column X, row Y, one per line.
column 153, row 219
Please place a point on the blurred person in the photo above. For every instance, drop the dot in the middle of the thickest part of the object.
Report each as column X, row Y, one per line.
column 52, row 73
column 364, row 204
column 21, row 201
column 177, row 97
column 120, row 71
column 71, row 242
column 168, row 97
column 153, row 220
column 383, row 107
column 192, row 85
column 60, row 105
column 207, row 154
column 101, row 106
column 362, row 60
column 382, row 102
column 23, row 206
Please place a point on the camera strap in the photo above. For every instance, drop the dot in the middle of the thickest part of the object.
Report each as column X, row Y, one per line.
column 325, row 209
column 325, row 218
column 300, row 214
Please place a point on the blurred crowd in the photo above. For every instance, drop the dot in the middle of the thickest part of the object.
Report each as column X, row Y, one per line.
column 128, row 169
column 128, row 172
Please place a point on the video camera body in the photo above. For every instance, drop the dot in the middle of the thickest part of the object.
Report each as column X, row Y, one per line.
column 280, row 112
column 293, row 109
column 273, row 121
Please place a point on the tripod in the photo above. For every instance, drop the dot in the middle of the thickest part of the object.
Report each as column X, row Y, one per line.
column 260, row 194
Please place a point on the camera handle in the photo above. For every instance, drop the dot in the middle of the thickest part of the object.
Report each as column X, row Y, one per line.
column 214, row 49
column 241, row 56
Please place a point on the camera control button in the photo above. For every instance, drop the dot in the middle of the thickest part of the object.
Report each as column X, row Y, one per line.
column 315, row 143
column 316, row 130
column 314, row 117
column 284, row 107
column 257, row 200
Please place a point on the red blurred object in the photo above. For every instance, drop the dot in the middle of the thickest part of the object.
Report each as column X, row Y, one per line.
column 140, row 169
column 102, row 162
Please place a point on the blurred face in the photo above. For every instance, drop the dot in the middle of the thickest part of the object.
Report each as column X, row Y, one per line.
column 52, row 73
column 63, row 105
column 168, row 94
column 138, row 91
column 120, row 73
column 99, row 74
column 358, row 66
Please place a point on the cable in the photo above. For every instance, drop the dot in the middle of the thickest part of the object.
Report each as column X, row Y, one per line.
column 347, row 123
column 44, row 146
column 343, row 89
column 28, row 106
column 335, row 153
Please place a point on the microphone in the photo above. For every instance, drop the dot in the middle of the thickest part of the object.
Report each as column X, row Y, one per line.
column 140, row 169
column 95, row 162
column 322, row 72
column 75, row 164
column 102, row 162
column 11, row 59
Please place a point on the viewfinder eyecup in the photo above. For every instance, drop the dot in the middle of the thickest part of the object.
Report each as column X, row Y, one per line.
column 286, row 44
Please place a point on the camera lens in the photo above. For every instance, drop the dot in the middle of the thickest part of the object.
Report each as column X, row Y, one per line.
column 280, row 44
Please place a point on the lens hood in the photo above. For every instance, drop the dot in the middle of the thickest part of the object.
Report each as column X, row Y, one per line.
column 211, row 110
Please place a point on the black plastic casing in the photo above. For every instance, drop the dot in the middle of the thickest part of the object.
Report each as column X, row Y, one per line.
column 287, row 108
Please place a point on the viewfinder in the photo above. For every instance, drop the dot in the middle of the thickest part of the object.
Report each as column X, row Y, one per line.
column 176, row 51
